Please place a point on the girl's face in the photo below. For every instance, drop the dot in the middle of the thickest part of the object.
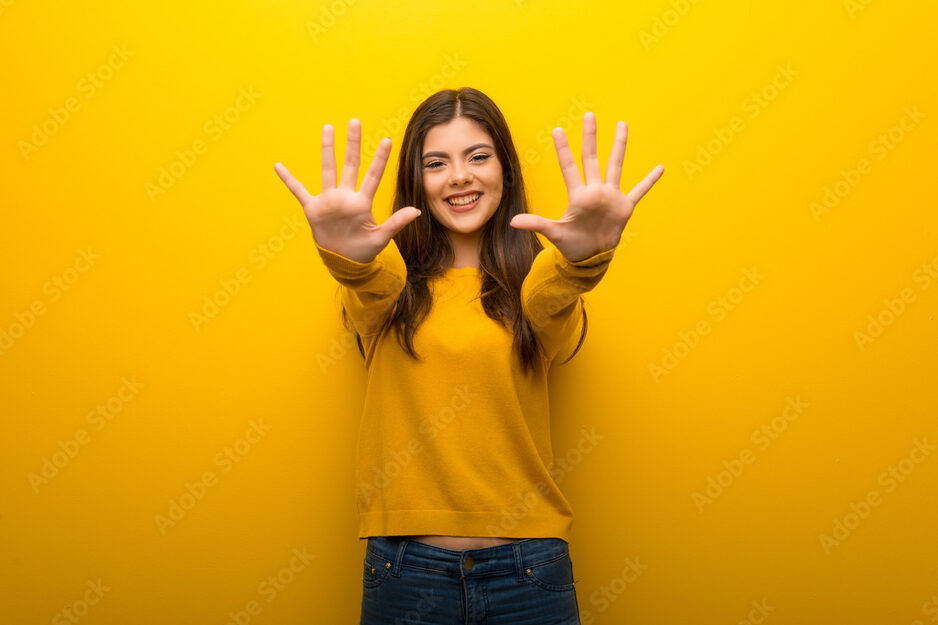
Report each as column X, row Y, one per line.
column 459, row 163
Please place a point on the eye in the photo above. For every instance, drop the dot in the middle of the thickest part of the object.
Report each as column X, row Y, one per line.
column 478, row 158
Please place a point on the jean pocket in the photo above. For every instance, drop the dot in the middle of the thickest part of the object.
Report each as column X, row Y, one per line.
column 555, row 575
column 375, row 571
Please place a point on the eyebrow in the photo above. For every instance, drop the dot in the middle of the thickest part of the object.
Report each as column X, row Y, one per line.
column 466, row 151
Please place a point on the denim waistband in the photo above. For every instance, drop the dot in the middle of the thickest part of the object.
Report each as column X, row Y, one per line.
column 508, row 558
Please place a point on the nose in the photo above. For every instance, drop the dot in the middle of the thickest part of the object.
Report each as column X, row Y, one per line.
column 460, row 175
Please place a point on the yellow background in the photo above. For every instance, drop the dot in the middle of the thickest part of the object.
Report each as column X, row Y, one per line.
column 777, row 105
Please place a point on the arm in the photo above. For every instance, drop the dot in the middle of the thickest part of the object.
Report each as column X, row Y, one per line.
column 340, row 217
column 369, row 290
column 551, row 296
column 594, row 219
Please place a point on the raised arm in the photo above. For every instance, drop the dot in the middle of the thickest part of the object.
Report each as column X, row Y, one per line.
column 359, row 253
column 368, row 290
column 551, row 297
column 584, row 238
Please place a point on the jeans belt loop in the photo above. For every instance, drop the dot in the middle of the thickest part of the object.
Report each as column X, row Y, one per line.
column 519, row 564
column 398, row 559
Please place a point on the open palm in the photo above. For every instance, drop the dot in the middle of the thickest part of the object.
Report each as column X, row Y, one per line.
column 341, row 217
column 597, row 211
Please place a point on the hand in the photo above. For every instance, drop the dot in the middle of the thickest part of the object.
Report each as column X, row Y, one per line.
column 597, row 211
column 340, row 217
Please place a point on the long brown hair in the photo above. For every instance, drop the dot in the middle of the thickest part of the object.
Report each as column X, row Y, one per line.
column 506, row 252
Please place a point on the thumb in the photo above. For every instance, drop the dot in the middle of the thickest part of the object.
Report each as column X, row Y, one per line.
column 535, row 223
column 399, row 219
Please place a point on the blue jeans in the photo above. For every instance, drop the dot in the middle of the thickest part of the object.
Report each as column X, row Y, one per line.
column 408, row 582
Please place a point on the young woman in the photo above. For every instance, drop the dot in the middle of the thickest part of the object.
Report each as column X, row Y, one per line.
column 459, row 312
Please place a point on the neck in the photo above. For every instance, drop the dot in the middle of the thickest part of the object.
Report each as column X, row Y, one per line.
column 465, row 248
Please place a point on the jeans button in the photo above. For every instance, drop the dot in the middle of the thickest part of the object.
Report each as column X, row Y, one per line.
column 468, row 563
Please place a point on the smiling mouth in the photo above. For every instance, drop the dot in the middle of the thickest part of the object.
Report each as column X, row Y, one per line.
column 464, row 201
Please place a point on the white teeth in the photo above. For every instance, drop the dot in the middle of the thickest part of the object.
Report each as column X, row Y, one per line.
column 462, row 201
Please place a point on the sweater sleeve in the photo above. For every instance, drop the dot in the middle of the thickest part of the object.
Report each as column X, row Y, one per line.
column 551, row 297
column 369, row 290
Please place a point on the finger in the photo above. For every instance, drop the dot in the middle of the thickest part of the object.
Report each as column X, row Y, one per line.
column 617, row 155
column 590, row 160
column 295, row 186
column 639, row 190
column 328, row 157
column 349, row 178
column 571, row 175
column 376, row 170
column 535, row 223
column 399, row 219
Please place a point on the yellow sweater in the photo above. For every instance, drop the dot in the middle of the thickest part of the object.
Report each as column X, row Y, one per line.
column 458, row 443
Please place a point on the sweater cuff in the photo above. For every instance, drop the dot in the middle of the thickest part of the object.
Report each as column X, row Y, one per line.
column 595, row 264
column 343, row 267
